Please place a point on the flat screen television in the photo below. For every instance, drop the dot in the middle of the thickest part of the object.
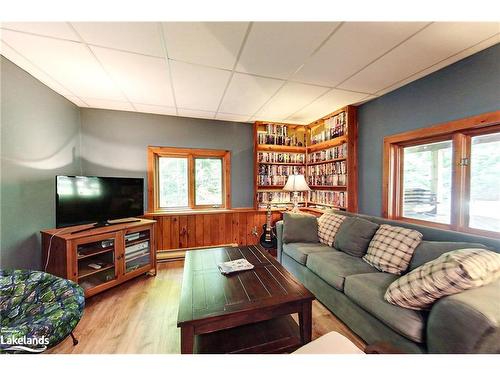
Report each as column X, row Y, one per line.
column 87, row 199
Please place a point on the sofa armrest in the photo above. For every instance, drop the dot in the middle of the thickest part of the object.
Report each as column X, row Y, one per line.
column 467, row 322
column 279, row 235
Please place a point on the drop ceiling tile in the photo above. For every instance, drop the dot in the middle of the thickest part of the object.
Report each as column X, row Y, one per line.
column 232, row 117
column 51, row 29
column 246, row 93
column 328, row 103
column 26, row 65
column 140, row 37
column 207, row 43
column 437, row 42
column 353, row 46
column 69, row 63
column 291, row 98
column 459, row 56
column 108, row 104
column 198, row 87
column 156, row 109
column 143, row 79
column 277, row 49
column 195, row 113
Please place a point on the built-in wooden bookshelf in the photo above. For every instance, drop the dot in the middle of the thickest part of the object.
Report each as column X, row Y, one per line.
column 325, row 151
column 280, row 150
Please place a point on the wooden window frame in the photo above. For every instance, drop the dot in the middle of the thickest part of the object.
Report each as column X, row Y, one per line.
column 460, row 133
column 155, row 152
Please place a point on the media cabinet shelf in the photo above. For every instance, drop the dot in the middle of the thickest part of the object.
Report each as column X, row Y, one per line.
column 106, row 246
column 86, row 271
column 97, row 252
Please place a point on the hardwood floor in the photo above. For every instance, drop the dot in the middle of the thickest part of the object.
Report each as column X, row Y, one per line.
column 140, row 317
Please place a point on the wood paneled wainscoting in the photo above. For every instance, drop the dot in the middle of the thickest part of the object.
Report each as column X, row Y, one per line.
column 182, row 230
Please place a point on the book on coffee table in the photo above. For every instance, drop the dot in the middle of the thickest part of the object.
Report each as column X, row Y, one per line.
column 232, row 266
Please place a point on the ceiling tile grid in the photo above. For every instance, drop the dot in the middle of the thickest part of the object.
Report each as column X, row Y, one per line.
column 236, row 71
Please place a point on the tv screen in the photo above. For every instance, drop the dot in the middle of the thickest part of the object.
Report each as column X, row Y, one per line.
column 84, row 200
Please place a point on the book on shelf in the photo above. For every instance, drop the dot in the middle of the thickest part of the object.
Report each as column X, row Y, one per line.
column 277, row 134
column 334, row 127
column 331, row 198
column 269, row 175
column 277, row 198
column 328, row 174
column 280, row 157
column 336, row 152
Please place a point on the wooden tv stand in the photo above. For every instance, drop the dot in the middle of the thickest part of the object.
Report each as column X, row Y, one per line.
column 103, row 257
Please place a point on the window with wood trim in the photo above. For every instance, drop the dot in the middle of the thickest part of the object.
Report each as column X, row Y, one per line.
column 447, row 176
column 183, row 179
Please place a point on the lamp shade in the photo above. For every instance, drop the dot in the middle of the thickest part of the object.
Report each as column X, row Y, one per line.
column 296, row 182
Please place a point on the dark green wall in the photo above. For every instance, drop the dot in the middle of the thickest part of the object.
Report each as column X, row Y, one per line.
column 40, row 138
column 469, row 87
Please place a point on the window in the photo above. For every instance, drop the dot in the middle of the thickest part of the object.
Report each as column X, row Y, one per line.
column 484, row 203
column 446, row 176
column 427, row 181
column 188, row 178
column 208, row 181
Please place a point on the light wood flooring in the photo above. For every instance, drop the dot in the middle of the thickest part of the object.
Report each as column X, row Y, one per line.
column 140, row 317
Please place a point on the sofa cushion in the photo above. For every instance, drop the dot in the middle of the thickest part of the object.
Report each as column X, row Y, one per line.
column 299, row 227
column 328, row 225
column 335, row 265
column 430, row 250
column 354, row 236
column 451, row 273
column 367, row 291
column 391, row 248
column 299, row 251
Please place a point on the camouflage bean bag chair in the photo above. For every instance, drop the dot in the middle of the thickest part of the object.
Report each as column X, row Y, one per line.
column 37, row 310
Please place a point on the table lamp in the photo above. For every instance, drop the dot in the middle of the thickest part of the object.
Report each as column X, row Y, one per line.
column 294, row 184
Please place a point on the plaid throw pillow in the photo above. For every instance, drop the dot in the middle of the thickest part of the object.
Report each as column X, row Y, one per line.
column 391, row 248
column 451, row 273
column 328, row 225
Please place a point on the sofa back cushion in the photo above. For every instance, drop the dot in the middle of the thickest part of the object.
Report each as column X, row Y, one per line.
column 391, row 248
column 430, row 250
column 451, row 273
column 328, row 225
column 430, row 233
column 354, row 236
column 299, row 227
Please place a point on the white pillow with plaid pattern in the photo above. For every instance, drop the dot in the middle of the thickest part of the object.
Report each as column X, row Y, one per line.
column 451, row 273
column 391, row 248
column 328, row 225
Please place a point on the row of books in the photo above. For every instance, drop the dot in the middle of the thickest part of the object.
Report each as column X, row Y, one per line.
column 281, row 170
column 339, row 119
column 335, row 167
column 328, row 154
column 334, row 127
column 327, row 180
column 280, row 157
column 332, row 198
column 264, row 197
column 268, row 180
column 281, row 140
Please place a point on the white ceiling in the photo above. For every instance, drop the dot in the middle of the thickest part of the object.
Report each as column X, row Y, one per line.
column 237, row 71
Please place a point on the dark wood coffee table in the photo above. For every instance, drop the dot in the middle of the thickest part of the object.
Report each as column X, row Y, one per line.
column 247, row 312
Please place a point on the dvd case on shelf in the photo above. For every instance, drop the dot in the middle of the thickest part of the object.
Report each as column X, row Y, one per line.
column 331, row 198
column 280, row 157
